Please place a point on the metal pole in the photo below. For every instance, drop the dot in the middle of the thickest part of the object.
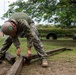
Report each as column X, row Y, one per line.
column 4, row 6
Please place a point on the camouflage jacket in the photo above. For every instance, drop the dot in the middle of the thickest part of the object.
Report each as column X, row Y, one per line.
column 26, row 25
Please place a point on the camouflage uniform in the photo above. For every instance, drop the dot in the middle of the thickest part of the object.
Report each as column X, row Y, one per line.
column 26, row 25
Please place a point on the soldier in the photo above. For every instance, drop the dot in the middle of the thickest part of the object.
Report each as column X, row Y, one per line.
column 20, row 22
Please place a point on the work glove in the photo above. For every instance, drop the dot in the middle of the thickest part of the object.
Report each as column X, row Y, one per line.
column 28, row 52
column 18, row 52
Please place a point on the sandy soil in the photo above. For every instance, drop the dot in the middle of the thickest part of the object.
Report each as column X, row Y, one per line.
column 58, row 67
column 4, row 67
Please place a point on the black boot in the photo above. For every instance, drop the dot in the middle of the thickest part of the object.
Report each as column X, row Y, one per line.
column 2, row 55
column 0, row 58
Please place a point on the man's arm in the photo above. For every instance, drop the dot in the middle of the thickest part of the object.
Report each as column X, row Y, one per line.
column 29, row 43
column 26, row 28
column 17, row 45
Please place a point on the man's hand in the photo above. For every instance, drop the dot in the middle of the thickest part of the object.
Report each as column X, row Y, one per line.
column 18, row 52
column 29, row 52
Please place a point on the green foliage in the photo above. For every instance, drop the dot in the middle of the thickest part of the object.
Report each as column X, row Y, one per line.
column 17, row 6
column 64, row 11
column 35, row 8
column 60, row 32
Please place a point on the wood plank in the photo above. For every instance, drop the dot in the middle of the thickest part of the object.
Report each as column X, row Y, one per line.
column 9, row 57
column 16, row 67
column 50, row 52
column 55, row 51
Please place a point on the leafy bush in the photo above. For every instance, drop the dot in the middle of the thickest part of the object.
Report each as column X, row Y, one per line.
column 59, row 32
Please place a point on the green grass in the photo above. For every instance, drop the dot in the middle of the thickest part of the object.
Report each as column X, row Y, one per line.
column 63, row 56
column 51, row 44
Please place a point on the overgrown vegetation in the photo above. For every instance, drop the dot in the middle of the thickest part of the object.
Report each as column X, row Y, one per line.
column 60, row 32
column 61, row 12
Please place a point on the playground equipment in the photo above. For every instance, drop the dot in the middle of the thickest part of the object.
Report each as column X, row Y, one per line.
column 52, row 34
column 74, row 37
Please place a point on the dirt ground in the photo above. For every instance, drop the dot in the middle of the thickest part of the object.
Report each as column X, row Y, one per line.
column 4, row 67
column 58, row 65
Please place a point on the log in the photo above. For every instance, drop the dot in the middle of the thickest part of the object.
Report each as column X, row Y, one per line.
column 51, row 52
column 9, row 57
column 16, row 67
column 54, row 51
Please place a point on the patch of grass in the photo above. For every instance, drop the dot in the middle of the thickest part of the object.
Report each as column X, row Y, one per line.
column 47, row 46
column 64, row 56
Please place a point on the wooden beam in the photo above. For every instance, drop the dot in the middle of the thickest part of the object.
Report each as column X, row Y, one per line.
column 9, row 57
column 16, row 67
column 51, row 52
column 55, row 51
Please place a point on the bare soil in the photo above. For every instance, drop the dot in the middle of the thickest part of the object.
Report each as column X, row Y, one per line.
column 57, row 66
column 4, row 67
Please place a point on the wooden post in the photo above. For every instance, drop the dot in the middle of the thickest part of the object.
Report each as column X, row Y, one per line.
column 51, row 52
column 9, row 57
column 55, row 51
column 16, row 67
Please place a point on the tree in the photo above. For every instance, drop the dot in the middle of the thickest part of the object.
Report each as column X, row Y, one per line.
column 17, row 6
column 37, row 9
column 64, row 10
column 66, row 13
